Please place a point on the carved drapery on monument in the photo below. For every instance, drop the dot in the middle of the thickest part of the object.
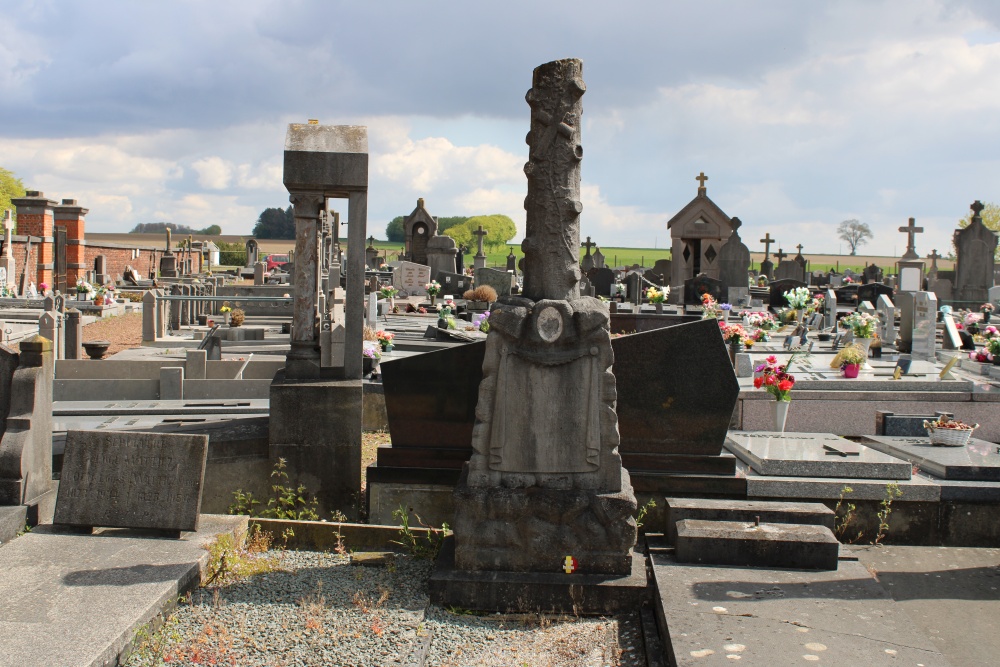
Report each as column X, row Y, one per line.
column 545, row 478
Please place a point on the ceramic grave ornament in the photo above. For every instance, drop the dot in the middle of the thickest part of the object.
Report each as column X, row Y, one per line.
column 545, row 478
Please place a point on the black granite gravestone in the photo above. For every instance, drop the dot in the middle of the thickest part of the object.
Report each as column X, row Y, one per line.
column 870, row 292
column 702, row 284
column 777, row 290
column 602, row 279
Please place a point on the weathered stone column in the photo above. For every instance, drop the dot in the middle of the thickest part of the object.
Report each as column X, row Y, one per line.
column 74, row 333
column 304, row 356
column 545, row 481
column 354, row 307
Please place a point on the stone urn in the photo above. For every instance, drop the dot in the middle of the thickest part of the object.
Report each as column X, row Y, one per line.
column 96, row 349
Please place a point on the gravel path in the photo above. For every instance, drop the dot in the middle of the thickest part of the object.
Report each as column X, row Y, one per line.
column 317, row 609
column 124, row 332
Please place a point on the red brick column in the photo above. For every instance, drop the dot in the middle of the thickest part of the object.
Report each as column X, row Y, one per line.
column 70, row 215
column 35, row 218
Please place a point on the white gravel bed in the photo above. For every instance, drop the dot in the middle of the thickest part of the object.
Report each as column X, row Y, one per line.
column 316, row 609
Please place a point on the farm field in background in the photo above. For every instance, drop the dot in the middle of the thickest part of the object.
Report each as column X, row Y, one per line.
column 614, row 256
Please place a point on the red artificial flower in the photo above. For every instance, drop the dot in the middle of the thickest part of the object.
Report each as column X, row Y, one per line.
column 785, row 385
column 769, row 380
column 757, row 382
column 772, row 359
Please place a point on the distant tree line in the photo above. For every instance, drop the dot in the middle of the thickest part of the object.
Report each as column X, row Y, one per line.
column 161, row 227
column 275, row 223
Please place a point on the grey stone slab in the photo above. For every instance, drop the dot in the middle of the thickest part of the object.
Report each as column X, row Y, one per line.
column 966, row 491
column 12, row 521
column 78, row 599
column 756, row 544
column 813, row 455
column 132, row 480
column 710, row 509
column 717, row 615
column 915, row 489
column 977, row 461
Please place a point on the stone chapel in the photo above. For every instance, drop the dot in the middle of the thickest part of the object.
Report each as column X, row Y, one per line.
column 419, row 227
column 697, row 232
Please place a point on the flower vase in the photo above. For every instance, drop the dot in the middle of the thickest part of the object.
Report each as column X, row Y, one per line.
column 800, row 315
column 863, row 343
column 735, row 347
column 780, row 412
column 442, row 323
column 851, row 370
column 659, row 308
column 433, row 299
column 392, row 304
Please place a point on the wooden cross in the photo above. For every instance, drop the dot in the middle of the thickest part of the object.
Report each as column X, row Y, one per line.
column 588, row 245
column 767, row 241
column 701, row 178
column 781, row 255
column 480, row 233
column 911, row 230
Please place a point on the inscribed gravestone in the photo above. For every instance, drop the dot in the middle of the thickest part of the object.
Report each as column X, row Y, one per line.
column 411, row 278
column 132, row 480
column 498, row 280
column 790, row 270
column 830, row 309
column 924, row 326
column 975, row 251
column 453, row 283
column 872, row 291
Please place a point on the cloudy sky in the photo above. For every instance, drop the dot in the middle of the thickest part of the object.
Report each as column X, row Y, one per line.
column 802, row 114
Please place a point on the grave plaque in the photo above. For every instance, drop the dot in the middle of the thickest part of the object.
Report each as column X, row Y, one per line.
column 498, row 280
column 132, row 480
column 411, row 278
column 454, row 283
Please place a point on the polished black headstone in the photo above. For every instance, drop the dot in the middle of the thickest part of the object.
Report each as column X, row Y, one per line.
column 778, row 288
column 702, row 284
column 871, row 291
column 602, row 280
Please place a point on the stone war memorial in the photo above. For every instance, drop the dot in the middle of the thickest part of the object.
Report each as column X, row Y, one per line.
column 337, row 450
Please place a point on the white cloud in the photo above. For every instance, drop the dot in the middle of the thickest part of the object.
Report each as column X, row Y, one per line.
column 214, row 173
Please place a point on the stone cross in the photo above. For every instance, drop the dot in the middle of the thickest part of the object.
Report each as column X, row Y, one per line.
column 371, row 241
column 701, row 178
column 800, row 246
column 911, row 230
column 588, row 245
column 480, row 233
column 7, row 221
column 767, row 241
column 934, row 257
column 781, row 255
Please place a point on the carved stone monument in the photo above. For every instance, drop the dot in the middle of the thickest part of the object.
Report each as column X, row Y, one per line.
column 976, row 249
column 734, row 260
column 168, row 262
column 545, row 485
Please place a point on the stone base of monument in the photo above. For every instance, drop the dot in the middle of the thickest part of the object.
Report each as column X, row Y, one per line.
column 534, row 529
column 754, row 544
column 522, row 592
column 316, row 427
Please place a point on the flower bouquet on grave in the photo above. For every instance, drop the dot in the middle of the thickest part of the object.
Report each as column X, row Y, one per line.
column 433, row 289
column 987, row 310
column 383, row 267
column 388, row 292
column 654, row 295
column 385, row 340
column 949, row 432
column 764, row 321
column 482, row 322
column 849, row 360
column 710, row 307
column 798, row 298
column 733, row 333
column 618, row 291
column 993, row 347
column 777, row 381
column 761, row 281
column 446, row 320
column 862, row 324
column 761, row 336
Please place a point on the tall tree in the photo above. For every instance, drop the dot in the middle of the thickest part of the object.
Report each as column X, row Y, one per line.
column 275, row 223
column 500, row 229
column 991, row 219
column 394, row 231
column 855, row 233
column 10, row 188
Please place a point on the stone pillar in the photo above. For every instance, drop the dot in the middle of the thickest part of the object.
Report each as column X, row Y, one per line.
column 354, row 308
column 7, row 262
column 303, row 360
column 100, row 270
column 74, row 334
column 35, row 217
column 71, row 215
column 258, row 273
column 162, row 313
